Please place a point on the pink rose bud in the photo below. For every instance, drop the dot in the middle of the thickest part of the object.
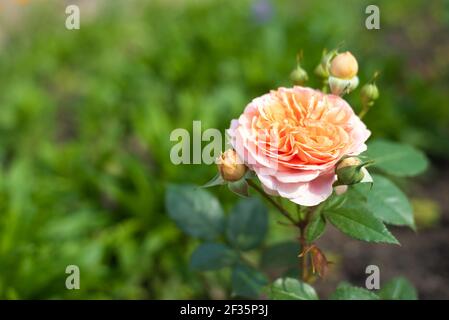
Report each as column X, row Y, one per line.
column 230, row 166
column 344, row 66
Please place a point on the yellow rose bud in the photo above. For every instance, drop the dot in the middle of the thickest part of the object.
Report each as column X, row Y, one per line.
column 230, row 166
column 344, row 66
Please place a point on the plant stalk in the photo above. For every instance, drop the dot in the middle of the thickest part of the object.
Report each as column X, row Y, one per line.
column 281, row 209
column 302, row 226
column 365, row 108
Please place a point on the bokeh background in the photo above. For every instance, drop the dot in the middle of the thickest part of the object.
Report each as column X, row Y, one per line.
column 86, row 115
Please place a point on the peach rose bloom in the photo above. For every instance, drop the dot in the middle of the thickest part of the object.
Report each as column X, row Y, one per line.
column 292, row 139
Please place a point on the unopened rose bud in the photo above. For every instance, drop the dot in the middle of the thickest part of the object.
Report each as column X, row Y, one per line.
column 349, row 171
column 230, row 166
column 344, row 66
column 349, row 162
column 299, row 76
column 369, row 92
column 322, row 70
column 340, row 86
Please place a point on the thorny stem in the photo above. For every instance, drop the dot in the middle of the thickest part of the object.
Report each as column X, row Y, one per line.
column 302, row 226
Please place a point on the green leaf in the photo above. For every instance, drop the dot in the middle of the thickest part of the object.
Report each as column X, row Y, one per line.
column 292, row 289
column 388, row 203
column 195, row 211
column 247, row 224
column 212, row 256
column 398, row 289
column 316, row 227
column 247, row 282
column 280, row 255
column 359, row 223
column 347, row 292
column 396, row 159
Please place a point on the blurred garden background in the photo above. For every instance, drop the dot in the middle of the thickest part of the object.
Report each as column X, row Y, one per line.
column 86, row 117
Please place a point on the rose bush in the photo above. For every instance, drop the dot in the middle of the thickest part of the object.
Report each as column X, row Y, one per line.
column 300, row 143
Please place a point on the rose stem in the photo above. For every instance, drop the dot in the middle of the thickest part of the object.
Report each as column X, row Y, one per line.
column 302, row 225
column 281, row 209
column 304, row 268
column 365, row 108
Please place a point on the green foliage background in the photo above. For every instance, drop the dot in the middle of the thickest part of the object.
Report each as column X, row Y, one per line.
column 85, row 119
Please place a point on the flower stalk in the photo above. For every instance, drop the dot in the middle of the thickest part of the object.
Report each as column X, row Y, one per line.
column 301, row 225
column 369, row 94
column 281, row 209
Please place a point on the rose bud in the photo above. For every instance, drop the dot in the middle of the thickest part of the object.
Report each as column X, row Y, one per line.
column 343, row 73
column 299, row 76
column 369, row 93
column 230, row 166
column 322, row 70
column 344, row 66
column 349, row 171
